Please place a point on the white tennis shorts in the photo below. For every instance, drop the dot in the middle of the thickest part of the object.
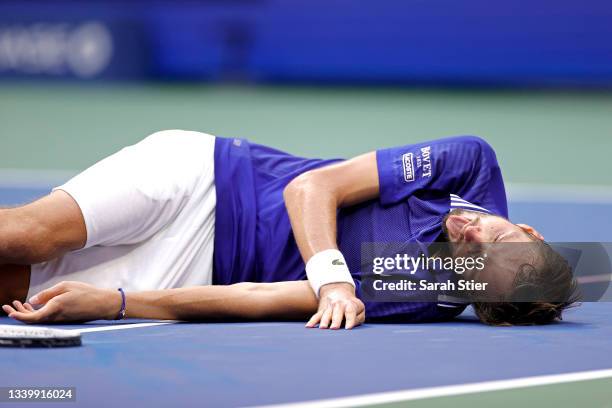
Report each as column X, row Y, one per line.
column 150, row 216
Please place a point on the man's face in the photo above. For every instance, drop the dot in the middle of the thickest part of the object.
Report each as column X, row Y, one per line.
column 474, row 234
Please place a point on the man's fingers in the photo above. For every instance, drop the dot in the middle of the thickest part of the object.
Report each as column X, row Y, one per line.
column 29, row 317
column 29, row 307
column 8, row 309
column 361, row 318
column 25, row 317
column 323, row 318
column 315, row 319
column 358, row 320
column 337, row 316
column 19, row 307
column 326, row 318
column 43, row 314
column 351, row 317
column 46, row 295
column 335, row 309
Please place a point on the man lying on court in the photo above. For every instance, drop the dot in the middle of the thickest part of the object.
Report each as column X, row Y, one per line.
column 194, row 227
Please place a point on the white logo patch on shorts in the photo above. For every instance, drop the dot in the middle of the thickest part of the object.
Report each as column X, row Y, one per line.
column 408, row 167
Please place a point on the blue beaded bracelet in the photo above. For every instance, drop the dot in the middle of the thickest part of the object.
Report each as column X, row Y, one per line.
column 122, row 313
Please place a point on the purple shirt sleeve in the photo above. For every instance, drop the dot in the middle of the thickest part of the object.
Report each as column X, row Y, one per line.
column 462, row 165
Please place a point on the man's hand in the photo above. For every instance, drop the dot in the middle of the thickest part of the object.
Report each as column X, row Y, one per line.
column 67, row 302
column 338, row 302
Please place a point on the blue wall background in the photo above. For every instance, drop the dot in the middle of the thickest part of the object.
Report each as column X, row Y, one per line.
column 539, row 42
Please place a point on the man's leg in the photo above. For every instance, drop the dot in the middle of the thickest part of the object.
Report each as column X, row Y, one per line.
column 37, row 232
column 14, row 283
column 42, row 230
column 122, row 200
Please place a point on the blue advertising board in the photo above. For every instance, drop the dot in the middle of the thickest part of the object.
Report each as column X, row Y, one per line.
column 389, row 41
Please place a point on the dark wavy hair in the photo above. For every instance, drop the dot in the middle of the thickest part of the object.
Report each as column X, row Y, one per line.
column 541, row 293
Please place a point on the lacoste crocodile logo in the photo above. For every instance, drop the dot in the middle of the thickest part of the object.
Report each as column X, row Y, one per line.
column 337, row 262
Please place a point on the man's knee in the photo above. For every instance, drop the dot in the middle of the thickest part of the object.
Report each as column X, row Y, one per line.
column 14, row 283
column 42, row 230
column 24, row 240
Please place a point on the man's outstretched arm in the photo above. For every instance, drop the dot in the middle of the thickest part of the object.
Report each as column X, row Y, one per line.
column 312, row 201
column 79, row 302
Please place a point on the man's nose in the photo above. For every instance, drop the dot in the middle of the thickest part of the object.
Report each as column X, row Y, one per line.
column 472, row 233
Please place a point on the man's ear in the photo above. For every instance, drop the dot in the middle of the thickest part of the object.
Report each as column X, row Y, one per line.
column 529, row 229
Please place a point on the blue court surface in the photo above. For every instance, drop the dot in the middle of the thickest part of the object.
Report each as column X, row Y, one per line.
column 460, row 363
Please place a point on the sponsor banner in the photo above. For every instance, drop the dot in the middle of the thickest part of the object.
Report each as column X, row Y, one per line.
column 70, row 42
column 437, row 42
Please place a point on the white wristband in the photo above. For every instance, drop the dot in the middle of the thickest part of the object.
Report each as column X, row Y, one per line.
column 325, row 267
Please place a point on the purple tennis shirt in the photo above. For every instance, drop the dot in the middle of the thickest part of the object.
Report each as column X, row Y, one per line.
column 419, row 184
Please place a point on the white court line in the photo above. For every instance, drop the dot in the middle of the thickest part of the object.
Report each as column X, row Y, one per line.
column 123, row 326
column 446, row 391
